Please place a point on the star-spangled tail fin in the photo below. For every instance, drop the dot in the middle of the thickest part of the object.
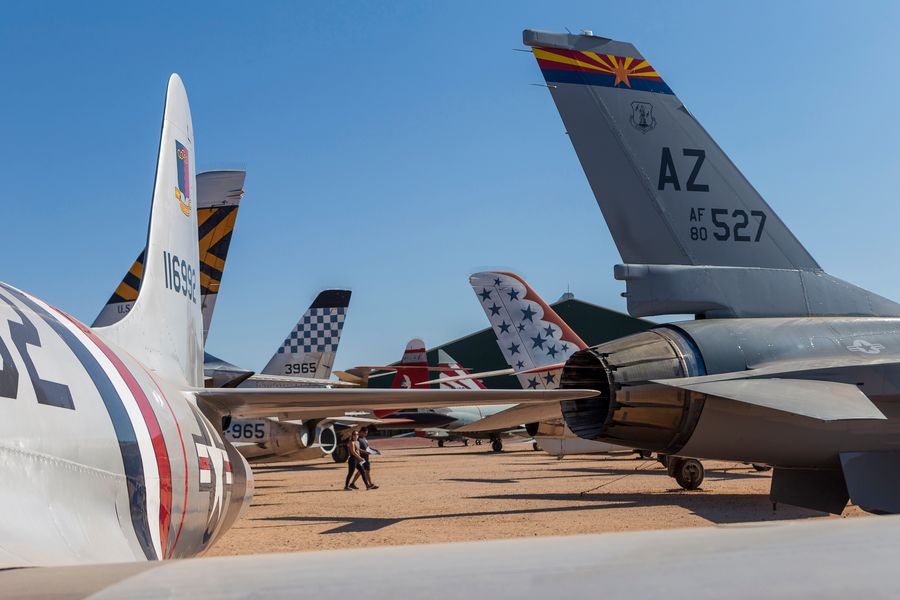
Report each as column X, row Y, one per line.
column 219, row 195
column 164, row 328
column 448, row 379
column 530, row 333
column 310, row 347
column 694, row 234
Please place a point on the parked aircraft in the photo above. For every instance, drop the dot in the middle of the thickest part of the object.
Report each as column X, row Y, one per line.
column 784, row 365
column 112, row 446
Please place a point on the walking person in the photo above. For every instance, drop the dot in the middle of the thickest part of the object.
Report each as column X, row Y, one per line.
column 366, row 451
column 355, row 464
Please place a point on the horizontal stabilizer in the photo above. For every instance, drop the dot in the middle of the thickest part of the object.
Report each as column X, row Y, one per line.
column 823, row 400
column 253, row 403
column 467, row 376
column 261, row 380
column 513, row 417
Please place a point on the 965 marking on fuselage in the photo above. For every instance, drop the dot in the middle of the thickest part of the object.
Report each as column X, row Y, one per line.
column 181, row 276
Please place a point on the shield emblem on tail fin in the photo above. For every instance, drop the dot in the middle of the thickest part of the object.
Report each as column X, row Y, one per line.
column 642, row 117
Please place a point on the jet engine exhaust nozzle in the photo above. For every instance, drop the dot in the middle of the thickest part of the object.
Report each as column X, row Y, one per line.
column 631, row 410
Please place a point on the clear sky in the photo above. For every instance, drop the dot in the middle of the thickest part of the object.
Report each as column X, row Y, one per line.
column 394, row 148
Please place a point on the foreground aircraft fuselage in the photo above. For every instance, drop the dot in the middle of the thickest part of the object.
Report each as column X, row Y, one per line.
column 106, row 461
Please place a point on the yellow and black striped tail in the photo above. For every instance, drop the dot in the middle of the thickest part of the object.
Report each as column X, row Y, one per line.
column 219, row 194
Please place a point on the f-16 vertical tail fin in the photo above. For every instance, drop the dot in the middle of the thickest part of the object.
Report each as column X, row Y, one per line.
column 310, row 347
column 530, row 333
column 686, row 221
column 219, row 194
column 164, row 329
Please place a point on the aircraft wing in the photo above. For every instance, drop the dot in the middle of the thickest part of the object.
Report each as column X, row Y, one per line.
column 253, row 403
column 823, row 400
column 513, row 417
column 261, row 380
column 773, row 559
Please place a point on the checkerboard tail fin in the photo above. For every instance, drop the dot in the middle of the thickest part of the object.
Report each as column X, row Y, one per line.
column 164, row 329
column 219, row 195
column 529, row 332
column 310, row 347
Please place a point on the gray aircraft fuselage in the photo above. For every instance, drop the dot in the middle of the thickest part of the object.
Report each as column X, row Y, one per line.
column 633, row 411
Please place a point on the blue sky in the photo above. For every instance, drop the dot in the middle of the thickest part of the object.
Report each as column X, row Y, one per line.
column 395, row 148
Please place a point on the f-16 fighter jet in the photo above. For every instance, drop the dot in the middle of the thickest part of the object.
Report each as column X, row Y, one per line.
column 784, row 365
column 112, row 448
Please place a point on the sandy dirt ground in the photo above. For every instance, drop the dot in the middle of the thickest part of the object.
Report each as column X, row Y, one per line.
column 457, row 493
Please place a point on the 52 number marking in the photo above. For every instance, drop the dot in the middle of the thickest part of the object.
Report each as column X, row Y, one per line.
column 24, row 334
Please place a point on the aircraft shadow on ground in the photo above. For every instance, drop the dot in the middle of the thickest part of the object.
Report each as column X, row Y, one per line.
column 719, row 509
column 716, row 508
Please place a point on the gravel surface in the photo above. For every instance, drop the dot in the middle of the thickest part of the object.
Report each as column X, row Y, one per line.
column 457, row 493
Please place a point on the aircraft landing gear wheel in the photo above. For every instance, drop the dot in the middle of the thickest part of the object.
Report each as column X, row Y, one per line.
column 643, row 454
column 761, row 468
column 340, row 454
column 440, row 443
column 466, row 442
column 497, row 446
column 477, row 442
column 535, row 447
column 688, row 472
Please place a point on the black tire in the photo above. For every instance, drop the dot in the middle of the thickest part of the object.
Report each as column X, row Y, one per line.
column 440, row 443
column 466, row 442
column 535, row 447
column 761, row 468
column 688, row 472
column 497, row 446
column 644, row 454
column 340, row 454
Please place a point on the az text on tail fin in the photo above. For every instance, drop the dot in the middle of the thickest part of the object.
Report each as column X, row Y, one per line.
column 530, row 333
column 164, row 328
column 218, row 196
column 696, row 237
column 310, row 347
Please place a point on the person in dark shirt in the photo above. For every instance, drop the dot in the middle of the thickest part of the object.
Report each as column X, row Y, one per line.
column 366, row 451
column 355, row 464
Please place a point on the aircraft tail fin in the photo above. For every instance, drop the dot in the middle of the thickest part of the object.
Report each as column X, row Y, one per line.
column 164, row 328
column 684, row 218
column 219, row 195
column 669, row 194
column 445, row 360
column 310, row 347
column 530, row 333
